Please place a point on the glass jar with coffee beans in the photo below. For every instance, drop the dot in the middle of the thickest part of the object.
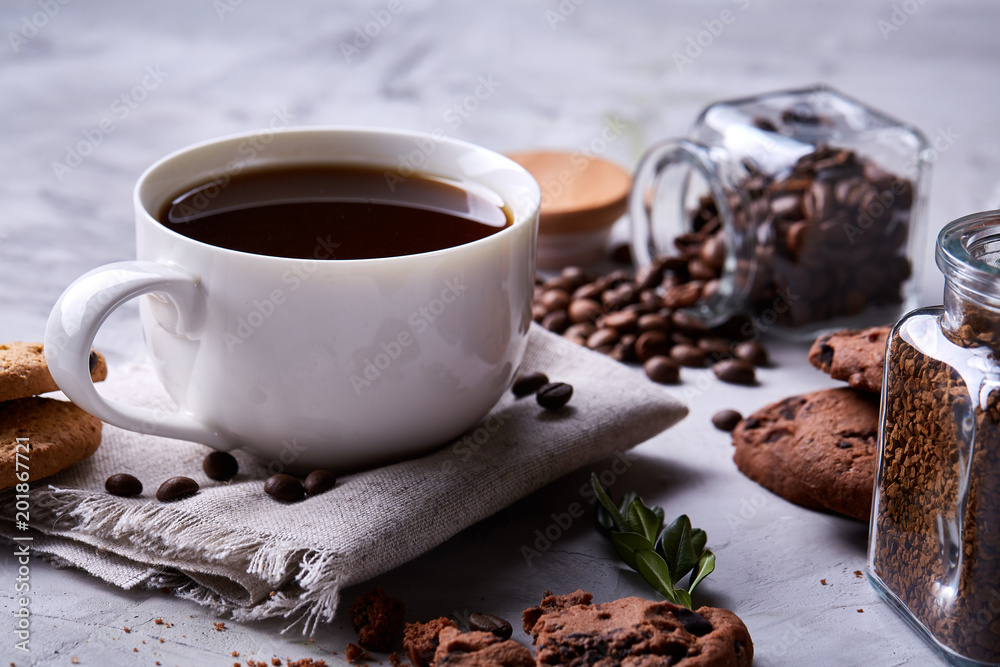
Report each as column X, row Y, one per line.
column 799, row 208
column 934, row 548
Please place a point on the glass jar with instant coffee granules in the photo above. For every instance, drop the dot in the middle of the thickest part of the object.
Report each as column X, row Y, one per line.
column 799, row 208
column 934, row 548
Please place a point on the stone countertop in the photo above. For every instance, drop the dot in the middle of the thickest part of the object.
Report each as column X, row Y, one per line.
column 92, row 93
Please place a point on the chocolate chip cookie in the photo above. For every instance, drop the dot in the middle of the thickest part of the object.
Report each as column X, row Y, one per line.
column 421, row 639
column 479, row 649
column 23, row 371
column 816, row 450
column 855, row 356
column 571, row 630
column 57, row 434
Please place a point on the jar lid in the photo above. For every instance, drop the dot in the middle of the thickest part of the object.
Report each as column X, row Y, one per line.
column 579, row 193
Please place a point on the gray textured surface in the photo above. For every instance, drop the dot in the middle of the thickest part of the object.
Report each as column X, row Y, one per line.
column 229, row 71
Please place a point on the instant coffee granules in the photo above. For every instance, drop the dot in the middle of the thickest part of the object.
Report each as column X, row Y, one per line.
column 934, row 551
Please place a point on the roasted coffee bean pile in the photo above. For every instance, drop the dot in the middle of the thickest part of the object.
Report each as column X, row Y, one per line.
column 830, row 238
column 941, row 556
column 641, row 319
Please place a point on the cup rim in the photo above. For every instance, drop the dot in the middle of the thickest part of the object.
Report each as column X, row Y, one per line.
column 497, row 237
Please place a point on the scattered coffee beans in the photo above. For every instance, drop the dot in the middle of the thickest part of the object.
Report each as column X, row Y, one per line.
column 635, row 318
column 123, row 485
column 176, row 488
column 529, row 383
column 726, row 420
column 734, row 371
column 554, row 395
column 662, row 369
column 490, row 623
column 319, row 481
column 284, row 487
column 220, row 466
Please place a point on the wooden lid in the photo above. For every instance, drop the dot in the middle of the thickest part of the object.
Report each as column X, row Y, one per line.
column 579, row 193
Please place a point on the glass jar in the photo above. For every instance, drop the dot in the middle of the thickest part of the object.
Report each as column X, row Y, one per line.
column 934, row 547
column 799, row 208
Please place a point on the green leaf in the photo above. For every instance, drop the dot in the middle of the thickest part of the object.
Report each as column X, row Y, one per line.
column 706, row 565
column 699, row 538
column 609, row 506
column 676, row 547
column 626, row 501
column 655, row 572
column 684, row 598
column 643, row 520
column 627, row 544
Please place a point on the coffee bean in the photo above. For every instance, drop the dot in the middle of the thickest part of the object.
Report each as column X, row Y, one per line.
column 651, row 344
column 319, row 481
column 734, row 371
column 623, row 320
column 602, row 338
column 220, row 466
column 653, row 322
column 489, row 623
column 528, row 383
column 752, row 352
column 713, row 252
column 583, row 330
column 590, row 291
column 575, row 275
column 284, row 487
column 538, row 312
column 726, row 420
column 688, row 355
column 555, row 299
column 716, row 347
column 683, row 296
column 688, row 324
column 176, row 488
column 554, row 395
column 556, row 321
column 559, row 283
column 584, row 310
column 123, row 484
column 662, row 369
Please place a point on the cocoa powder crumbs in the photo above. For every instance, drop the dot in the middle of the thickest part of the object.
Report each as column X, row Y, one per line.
column 939, row 555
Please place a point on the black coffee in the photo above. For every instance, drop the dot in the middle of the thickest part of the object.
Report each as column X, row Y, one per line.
column 332, row 212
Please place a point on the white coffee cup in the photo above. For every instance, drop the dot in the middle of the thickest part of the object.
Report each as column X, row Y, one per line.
column 343, row 363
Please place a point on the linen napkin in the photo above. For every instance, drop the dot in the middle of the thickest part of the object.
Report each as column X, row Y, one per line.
column 241, row 552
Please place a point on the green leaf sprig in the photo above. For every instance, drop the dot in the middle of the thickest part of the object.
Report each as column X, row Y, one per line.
column 663, row 556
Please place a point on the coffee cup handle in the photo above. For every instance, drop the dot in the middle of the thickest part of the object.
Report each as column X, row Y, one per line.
column 80, row 312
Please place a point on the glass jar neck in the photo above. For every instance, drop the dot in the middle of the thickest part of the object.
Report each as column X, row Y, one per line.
column 968, row 254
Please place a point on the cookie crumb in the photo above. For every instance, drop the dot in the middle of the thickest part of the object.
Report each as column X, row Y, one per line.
column 355, row 653
column 75, row 660
column 823, row 581
column 858, row 574
column 861, row 611
column 158, row 621
column 125, row 629
column 276, row 662
column 220, row 626
column 161, row 640
column 135, row 650
column 235, row 654
column 378, row 619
